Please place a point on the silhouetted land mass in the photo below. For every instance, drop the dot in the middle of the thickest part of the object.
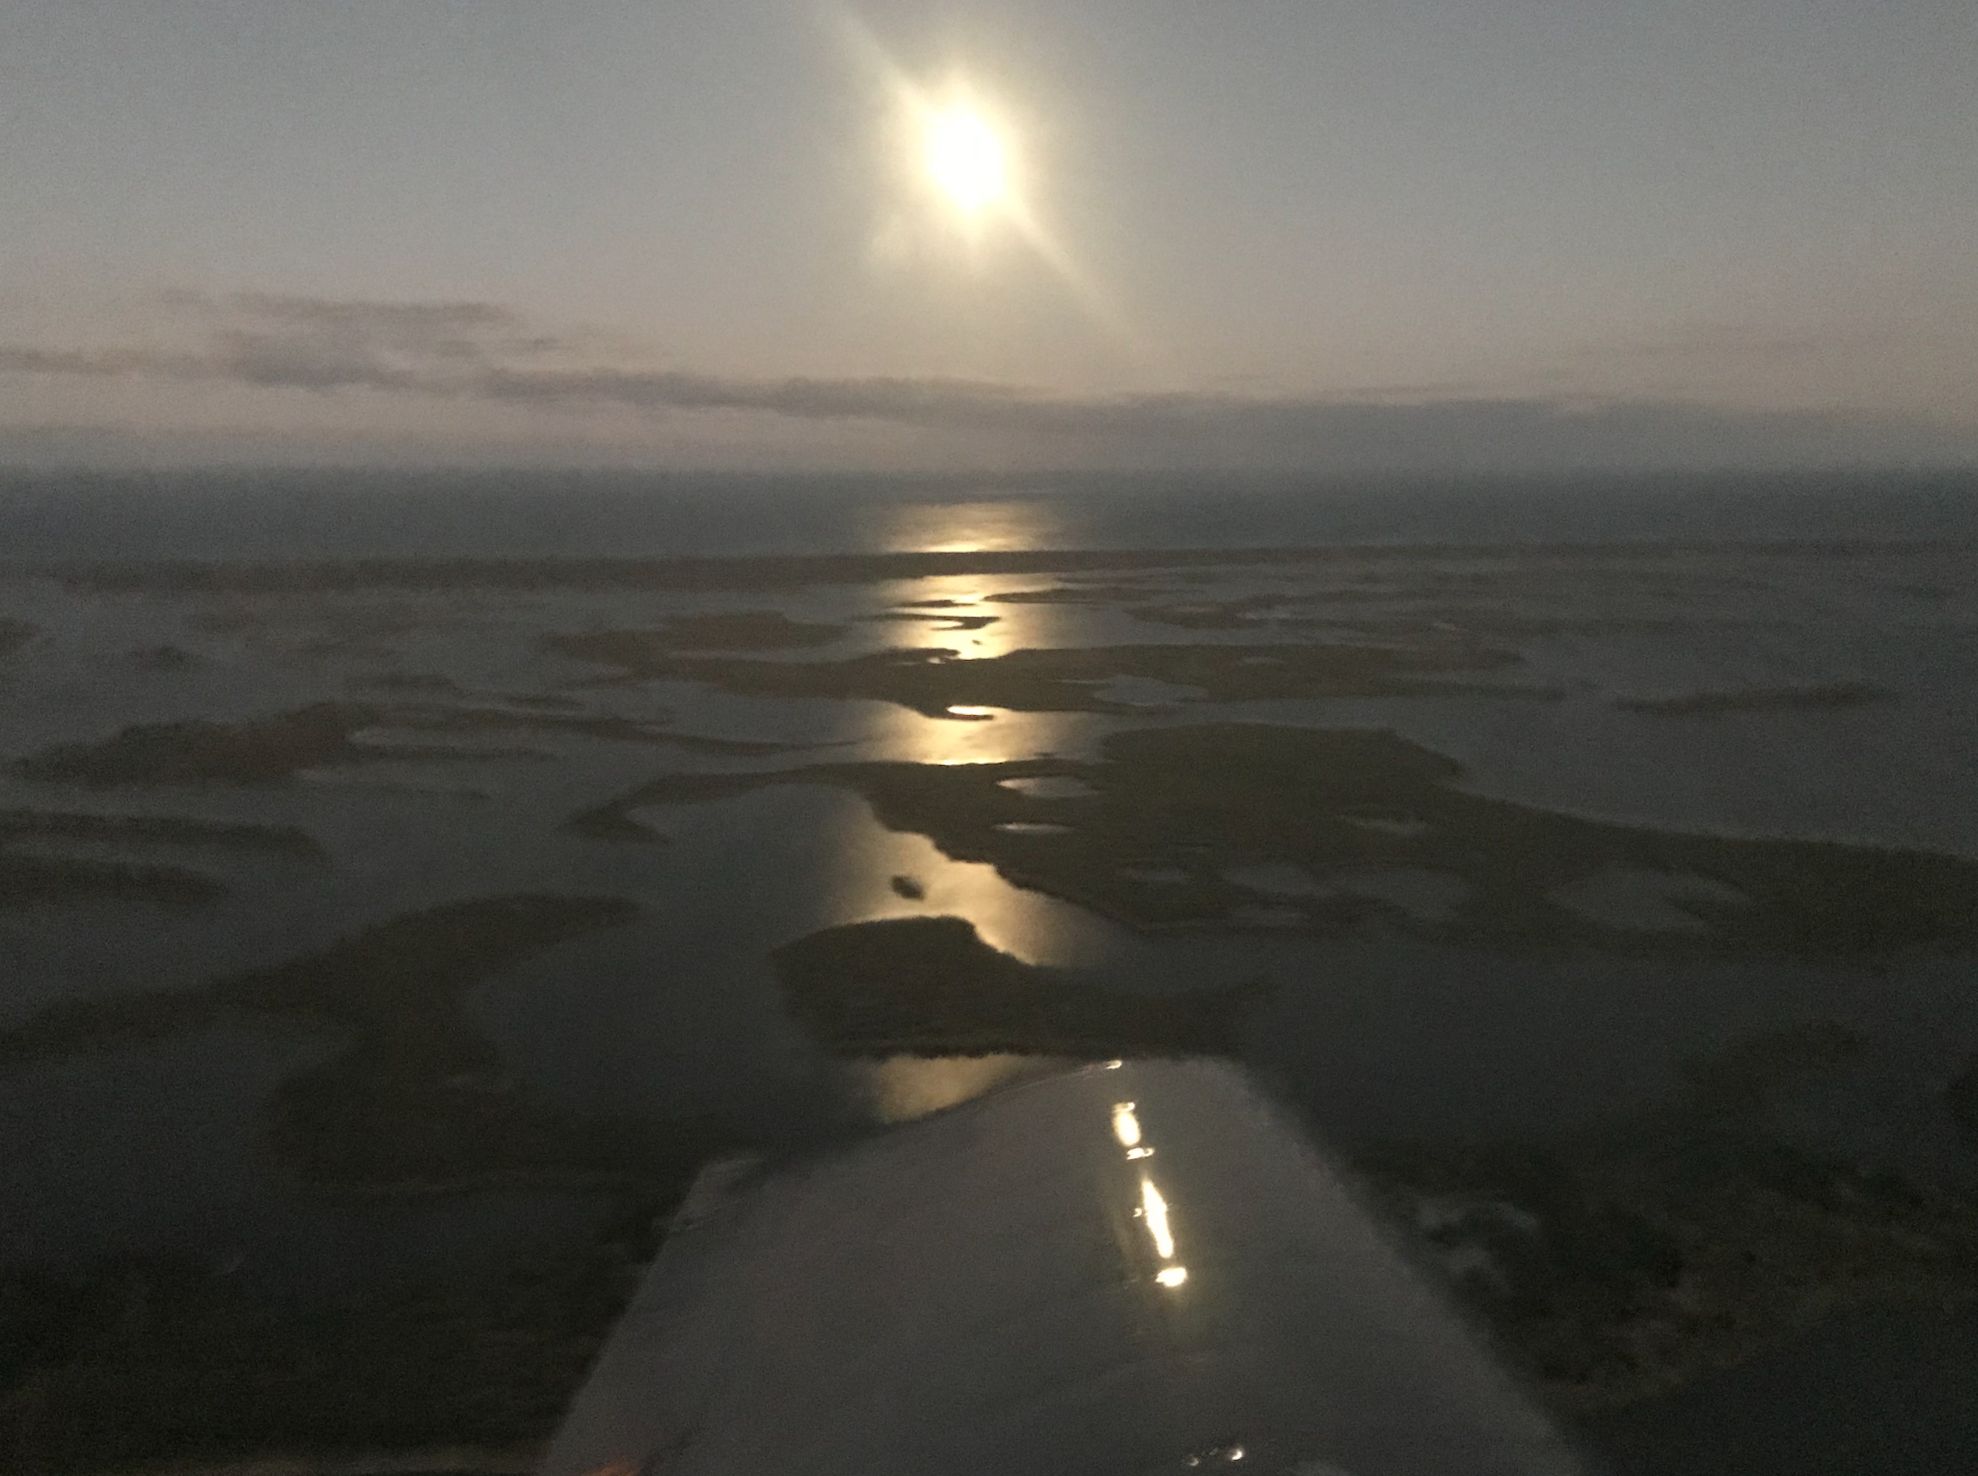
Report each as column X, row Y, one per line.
column 1961, row 1097
column 416, row 1099
column 930, row 680
column 163, row 658
column 176, row 830
column 938, row 619
column 1761, row 699
column 1350, row 808
column 802, row 570
column 132, row 1363
column 931, row 986
column 149, row 1359
column 682, row 574
column 1618, row 1266
column 43, row 880
column 1247, row 613
column 481, row 719
column 255, row 751
column 39, row 878
column 745, row 630
column 419, row 683
column 1074, row 594
column 273, row 749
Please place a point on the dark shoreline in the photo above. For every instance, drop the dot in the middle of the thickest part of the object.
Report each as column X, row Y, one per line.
column 744, row 571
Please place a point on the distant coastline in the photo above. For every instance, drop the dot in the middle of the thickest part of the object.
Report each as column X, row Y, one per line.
column 235, row 514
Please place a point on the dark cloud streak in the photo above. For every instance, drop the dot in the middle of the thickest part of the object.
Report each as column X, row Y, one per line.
column 482, row 351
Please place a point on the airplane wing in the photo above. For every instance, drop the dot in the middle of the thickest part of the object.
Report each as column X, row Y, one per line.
column 1134, row 1268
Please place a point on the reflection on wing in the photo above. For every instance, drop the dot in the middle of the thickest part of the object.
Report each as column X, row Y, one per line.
column 1001, row 1287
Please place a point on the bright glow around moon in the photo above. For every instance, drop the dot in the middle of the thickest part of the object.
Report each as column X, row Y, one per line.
column 966, row 158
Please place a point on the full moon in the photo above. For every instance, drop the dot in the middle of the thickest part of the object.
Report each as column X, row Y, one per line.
column 966, row 159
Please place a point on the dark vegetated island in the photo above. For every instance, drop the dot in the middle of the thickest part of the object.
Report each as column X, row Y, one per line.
column 939, row 619
column 1173, row 810
column 416, row 1099
column 930, row 680
column 176, row 830
column 1248, row 612
column 766, row 572
column 160, row 1364
column 1617, row 1276
column 1761, row 699
column 34, row 877
column 795, row 571
column 141, row 1360
column 745, row 630
column 932, row 987
column 417, row 683
column 252, row 751
column 34, row 880
column 274, row 749
column 1961, row 1098
column 471, row 718
column 1618, row 1266
column 163, row 658
column 1074, row 594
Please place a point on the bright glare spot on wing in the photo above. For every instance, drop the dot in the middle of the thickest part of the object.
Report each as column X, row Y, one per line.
column 1171, row 1275
column 1126, row 1126
column 1157, row 1218
column 966, row 158
column 963, row 710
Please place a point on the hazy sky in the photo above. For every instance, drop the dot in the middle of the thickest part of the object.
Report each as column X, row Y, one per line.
column 1489, row 233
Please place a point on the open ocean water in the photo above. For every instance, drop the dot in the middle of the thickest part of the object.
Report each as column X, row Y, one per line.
column 385, row 514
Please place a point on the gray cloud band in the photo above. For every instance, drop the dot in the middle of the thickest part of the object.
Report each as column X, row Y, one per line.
column 475, row 350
